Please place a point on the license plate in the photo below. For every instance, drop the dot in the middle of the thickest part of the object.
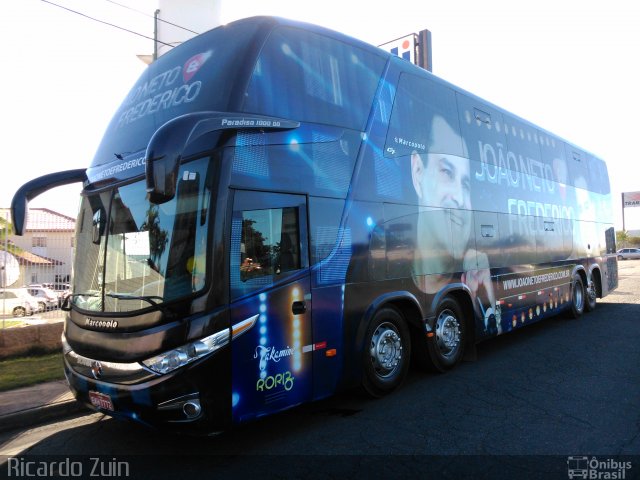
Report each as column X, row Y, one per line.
column 101, row 400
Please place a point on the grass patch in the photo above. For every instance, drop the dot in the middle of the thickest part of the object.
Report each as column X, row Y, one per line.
column 11, row 323
column 26, row 371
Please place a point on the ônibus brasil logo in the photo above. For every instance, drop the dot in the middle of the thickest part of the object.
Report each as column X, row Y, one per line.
column 194, row 64
column 593, row 468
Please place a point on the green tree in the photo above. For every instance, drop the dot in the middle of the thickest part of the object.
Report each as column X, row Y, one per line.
column 622, row 237
column 6, row 230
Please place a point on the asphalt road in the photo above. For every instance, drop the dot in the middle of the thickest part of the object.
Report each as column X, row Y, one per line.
column 558, row 389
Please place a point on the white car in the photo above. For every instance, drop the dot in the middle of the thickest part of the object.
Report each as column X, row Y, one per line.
column 627, row 253
column 24, row 293
column 13, row 303
column 47, row 299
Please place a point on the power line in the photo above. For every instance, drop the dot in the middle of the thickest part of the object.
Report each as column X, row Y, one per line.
column 151, row 16
column 106, row 23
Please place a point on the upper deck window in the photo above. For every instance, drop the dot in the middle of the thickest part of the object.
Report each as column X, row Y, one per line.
column 198, row 76
column 311, row 78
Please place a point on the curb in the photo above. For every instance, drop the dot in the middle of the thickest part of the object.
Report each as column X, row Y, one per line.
column 38, row 415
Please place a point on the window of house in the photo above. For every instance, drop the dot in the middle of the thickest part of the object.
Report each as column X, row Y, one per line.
column 39, row 242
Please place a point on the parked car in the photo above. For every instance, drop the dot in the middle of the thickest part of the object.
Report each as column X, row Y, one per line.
column 627, row 253
column 33, row 301
column 14, row 304
column 62, row 290
column 47, row 298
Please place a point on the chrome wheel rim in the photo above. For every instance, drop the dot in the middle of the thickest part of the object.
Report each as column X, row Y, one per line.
column 578, row 296
column 447, row 333
column 386, row 350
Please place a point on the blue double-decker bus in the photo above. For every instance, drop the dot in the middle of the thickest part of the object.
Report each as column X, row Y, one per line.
column 277, row 212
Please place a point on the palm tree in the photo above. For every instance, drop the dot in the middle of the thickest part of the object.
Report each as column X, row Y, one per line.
column 157, row 236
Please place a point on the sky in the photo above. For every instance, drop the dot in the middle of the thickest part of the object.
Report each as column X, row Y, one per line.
column 568, row 66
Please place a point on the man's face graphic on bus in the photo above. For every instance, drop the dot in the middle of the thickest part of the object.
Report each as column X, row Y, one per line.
column 442, row 180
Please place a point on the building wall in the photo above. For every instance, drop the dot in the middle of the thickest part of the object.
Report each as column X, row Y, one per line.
column 58, row 248
column 49, row 250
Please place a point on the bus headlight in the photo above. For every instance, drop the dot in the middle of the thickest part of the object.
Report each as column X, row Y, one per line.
column 181, row 356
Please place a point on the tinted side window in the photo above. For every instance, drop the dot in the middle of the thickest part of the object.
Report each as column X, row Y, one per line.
column 269, row 243
column 308, row 77
column 197, row 76
column 418, row 102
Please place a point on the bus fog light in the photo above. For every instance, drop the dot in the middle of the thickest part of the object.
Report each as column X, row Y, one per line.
column 192, row 408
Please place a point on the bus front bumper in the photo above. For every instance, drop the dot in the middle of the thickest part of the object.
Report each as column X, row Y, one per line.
column 194, row 399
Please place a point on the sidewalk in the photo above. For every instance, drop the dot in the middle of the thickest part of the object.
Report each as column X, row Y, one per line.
column 29, row 406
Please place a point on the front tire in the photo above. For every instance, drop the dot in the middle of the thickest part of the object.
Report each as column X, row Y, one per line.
column 19, row 312
column 577, row 296
column 446, row 346
column 386, row 354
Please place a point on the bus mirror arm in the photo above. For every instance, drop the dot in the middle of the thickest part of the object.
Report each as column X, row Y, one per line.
column 35, row 187
column 164, row 152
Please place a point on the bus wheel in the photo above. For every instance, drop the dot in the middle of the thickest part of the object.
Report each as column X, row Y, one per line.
column 446, row 346
column 577, row 296
column 386, row 353
column 592, row 296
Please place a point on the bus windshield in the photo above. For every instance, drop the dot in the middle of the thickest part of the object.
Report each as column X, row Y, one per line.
column 133, row 254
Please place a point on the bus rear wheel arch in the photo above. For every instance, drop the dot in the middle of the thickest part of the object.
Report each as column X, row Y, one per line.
column 386, row 352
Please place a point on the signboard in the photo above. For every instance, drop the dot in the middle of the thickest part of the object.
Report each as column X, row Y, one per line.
column 404, row 47
column 415, row 48
column 631, row 199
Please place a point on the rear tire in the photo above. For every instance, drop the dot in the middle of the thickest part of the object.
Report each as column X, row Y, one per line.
column 577, row 296
column 387, row 350
column 446, row 346
column 591, row 294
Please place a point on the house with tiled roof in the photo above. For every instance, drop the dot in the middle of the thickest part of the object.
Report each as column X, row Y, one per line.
column 45, row 251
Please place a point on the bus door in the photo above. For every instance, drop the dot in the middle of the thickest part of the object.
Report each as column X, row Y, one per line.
column 270, row 303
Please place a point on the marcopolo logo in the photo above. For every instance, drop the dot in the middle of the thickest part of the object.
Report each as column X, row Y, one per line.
column 90, row 322
column 594, row 468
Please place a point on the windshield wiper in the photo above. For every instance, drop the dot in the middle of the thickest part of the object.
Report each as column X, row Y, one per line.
column 88, row 294
column 126, row 296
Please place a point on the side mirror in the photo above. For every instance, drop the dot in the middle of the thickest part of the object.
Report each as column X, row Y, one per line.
column 162, row 159
column 35, row 187
column 164, row 152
